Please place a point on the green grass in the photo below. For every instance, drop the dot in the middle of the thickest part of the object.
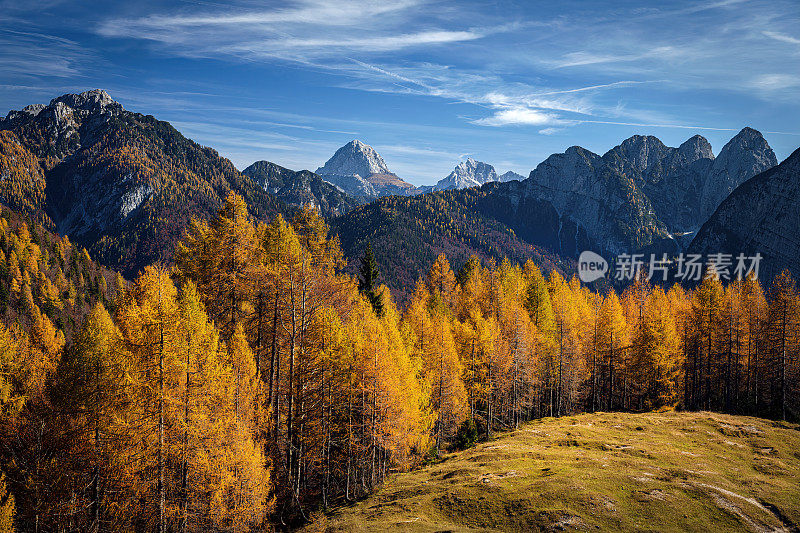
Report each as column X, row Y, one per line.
column 603, row 472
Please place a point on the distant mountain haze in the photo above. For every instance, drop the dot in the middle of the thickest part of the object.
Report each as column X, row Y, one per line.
column 469, row 173
column 472, row 173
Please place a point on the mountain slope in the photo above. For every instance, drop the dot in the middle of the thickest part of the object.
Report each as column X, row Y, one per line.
column 746, row 155
column 760, row 216
column 607, row 204
column 22, row 179
column 43, row 274
column 357, row 169
column 122, row 184
column 408, row 234
column 604, row 472
column 300, row 188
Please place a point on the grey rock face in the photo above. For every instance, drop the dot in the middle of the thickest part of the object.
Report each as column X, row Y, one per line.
column 357, row 169
column 639, row 153
column 510, row 176
column 353, row 185
column 674, row 182
column 760, row 216
column 469, row 173
column 301, row 188
column 746, row 155
column 605, row 204
column 354, row 159
column 67, row 119
column 642, row 192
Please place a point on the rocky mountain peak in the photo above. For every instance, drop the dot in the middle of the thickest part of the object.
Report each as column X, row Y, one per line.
column 89, row 102
column 572, row 170
column 301, row 188
column 744, row 156
column 694, row 148
column 69, row 120
column 94, row 100
column 468, row 173
column 760, row 216
column 510, row 176
column 641, row 151
column 354, row 159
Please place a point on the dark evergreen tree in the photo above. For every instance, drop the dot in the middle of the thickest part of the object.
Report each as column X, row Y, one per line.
column 368, row 280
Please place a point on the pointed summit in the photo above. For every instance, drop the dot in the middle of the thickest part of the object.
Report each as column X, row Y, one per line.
column 694, row 148
column 760, row 216
column 354, row 159
column 357, row 169
column 639, row 151
column 510, row 176
column 469, row 173
column 745, row 155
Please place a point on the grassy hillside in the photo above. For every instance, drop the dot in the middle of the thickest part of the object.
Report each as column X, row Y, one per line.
column 656, row 471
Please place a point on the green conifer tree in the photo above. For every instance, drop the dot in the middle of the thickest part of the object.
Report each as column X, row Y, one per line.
column 368, row 280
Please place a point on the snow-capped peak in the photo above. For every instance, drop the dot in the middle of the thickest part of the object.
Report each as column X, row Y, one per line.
column 468, row 173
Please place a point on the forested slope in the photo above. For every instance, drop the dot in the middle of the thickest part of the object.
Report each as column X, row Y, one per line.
column 408, row 234
column 122, row 184
column 255, row 383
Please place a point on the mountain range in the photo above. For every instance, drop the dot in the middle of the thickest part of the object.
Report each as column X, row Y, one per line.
column 359, row 171
column 642, row 192
column 126, row 185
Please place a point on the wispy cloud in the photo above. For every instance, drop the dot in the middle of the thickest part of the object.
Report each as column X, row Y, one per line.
column 422, row 80
column 508, row 103
column 32, row 55
column 518, row 116
column 311, row 12
column 776, row 82
column 307, row 31
column 781, row 37
column 583, row 58
column 367, row 44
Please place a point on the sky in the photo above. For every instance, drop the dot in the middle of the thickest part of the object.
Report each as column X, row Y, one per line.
column 427, row 83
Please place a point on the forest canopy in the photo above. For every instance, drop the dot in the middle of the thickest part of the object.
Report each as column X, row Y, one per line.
column 253, row 382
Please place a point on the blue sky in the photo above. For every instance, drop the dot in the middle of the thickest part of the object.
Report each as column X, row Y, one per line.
column 427, row 83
